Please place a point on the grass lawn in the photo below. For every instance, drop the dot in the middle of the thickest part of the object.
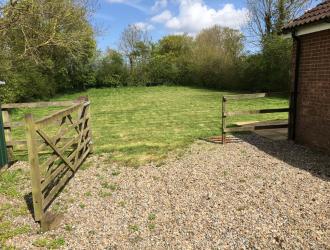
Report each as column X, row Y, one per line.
column 142, row 124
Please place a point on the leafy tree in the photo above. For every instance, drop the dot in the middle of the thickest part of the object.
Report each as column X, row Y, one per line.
column 172, row 54
column 111, row 70
column 162, row 69
column 267, row 70
column 45, row 47
column 216, row 55
column 175, row 45
column 267, row 18
column 42, row 25
column 277, row 60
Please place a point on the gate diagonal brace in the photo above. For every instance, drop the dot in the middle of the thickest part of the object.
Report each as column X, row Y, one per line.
column 57, row 151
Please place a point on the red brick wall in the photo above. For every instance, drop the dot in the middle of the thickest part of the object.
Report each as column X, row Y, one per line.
column 313, row 100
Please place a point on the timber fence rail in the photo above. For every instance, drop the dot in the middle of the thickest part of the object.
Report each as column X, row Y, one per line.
column 271, row 124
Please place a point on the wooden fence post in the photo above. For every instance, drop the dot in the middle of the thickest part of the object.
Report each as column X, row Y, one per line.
column 8, row 135
column 223, row 120
column 34, row 167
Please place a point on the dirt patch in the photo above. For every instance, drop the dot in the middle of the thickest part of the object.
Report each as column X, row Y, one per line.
column 255, row 194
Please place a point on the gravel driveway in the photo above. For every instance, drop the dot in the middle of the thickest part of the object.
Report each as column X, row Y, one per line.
column 256, row 194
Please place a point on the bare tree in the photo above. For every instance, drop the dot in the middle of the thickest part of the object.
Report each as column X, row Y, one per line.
column 134, row 43
column 268, row 16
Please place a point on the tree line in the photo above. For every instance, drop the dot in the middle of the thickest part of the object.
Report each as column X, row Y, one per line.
column 215, row 58
column 49, row 47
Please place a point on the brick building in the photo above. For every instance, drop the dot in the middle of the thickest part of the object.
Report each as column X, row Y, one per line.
column 310, row 89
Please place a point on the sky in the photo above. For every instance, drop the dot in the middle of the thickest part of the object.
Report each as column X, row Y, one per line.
column 163, row 17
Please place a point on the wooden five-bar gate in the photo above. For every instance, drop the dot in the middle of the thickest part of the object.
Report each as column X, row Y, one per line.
column 57, row 145
column 253, row 126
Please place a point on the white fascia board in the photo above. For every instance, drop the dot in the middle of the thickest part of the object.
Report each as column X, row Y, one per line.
column 300, row 31
column 312, row 29
column 286, row 36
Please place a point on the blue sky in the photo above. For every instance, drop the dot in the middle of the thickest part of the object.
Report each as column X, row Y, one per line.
column 161, row 17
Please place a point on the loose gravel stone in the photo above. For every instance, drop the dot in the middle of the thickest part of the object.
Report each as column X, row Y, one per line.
column 257, row 194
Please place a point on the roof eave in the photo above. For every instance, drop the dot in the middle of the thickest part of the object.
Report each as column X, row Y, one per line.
column 307, row 28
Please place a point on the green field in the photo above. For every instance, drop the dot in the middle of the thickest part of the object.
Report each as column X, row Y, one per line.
column 142, row 124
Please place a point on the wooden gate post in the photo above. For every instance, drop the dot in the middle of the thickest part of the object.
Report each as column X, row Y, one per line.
column 8, row 136
column 34, row 167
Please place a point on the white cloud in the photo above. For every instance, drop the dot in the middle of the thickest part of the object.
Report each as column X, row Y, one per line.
column 162, row 17
column 195, row 15
column 144, row 26
column 159, row 4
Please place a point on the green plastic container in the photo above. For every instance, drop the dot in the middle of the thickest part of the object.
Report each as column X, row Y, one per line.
column 3, row 148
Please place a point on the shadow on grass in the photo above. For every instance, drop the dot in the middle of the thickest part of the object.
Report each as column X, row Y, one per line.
column 298, row 156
